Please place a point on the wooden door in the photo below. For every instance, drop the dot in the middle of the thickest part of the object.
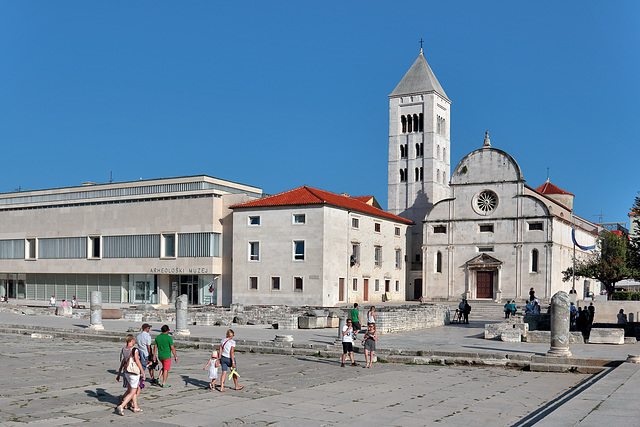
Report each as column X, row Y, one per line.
column 484, row 286
column 341, row 289
column 366, row 289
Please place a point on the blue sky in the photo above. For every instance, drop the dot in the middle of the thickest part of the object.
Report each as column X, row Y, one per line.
column 283, row 94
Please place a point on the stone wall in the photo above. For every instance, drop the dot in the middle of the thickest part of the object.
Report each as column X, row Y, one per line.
column 410, row 318
column 538, row 322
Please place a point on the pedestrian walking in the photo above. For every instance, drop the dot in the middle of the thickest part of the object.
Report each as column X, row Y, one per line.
column 228, row 360
column 371, row 315
column 133, row 372
column 162, row 349
column 213, row 364
column 355, row 319
column 369, row 343
column 146, row 350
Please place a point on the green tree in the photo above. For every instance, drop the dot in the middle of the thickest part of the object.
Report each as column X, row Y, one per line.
column 609, row 264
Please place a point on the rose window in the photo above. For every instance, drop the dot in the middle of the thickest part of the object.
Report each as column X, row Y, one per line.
column 486, row 202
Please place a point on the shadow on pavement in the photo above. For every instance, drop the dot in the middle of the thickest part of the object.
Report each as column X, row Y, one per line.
column 194, row 382
column 327, row 361
column 503, row 350
column 102, row 396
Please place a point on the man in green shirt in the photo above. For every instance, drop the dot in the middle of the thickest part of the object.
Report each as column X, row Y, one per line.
column 163, row 348
column 355, row 320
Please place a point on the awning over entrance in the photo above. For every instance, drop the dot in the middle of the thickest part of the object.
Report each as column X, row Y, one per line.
column 483, row 261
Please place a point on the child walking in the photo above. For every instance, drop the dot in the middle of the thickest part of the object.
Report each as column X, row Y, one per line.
column 213, row 364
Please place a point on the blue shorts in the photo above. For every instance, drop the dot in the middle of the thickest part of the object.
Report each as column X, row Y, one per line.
column 143, row 362
column 226, row 363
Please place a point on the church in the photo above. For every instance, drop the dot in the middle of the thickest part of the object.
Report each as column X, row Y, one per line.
column 480, row 231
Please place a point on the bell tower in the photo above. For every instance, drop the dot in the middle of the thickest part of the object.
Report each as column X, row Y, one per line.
column 419, row 150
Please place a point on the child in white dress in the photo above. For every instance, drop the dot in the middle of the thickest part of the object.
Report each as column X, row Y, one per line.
column 213, row 364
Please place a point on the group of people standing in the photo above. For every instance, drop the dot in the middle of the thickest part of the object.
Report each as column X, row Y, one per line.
column 350, row 335
column 148, row 354
column 581, row 318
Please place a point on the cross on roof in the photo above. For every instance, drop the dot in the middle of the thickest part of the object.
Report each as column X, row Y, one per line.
column 421, row 41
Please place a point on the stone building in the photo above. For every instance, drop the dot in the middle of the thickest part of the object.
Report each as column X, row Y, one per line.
column 495, row 237
column 419, row 150
column 137, row 242
column 480, row 231
column 312, row 247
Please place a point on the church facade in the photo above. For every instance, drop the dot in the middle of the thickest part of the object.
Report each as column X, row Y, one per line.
column 480, row 232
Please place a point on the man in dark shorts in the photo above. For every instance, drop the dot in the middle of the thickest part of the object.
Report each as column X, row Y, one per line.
column 355, row 320
column 347, row 343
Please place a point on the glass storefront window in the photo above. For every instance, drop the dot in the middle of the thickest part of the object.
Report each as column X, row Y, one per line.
column 143, row 289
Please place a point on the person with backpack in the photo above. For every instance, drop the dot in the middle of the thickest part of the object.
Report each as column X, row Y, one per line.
column 133, row 373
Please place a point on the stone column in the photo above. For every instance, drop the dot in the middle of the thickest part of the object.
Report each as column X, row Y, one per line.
column 499, row 280
column 95, row 322
column 560, row 334
column 343, row 321
column 181, row 316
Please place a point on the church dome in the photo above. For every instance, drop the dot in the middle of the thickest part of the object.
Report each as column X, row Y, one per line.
column 486, row 164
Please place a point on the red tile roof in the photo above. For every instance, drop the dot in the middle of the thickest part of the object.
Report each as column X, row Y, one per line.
column 312, row 196
column 549, row 188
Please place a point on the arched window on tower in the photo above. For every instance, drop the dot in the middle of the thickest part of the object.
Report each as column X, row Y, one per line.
column 444, row 154
column 409, row 127
column 437, row 175
column 421, row 173
column 417, row 174
column 534, row 261
column 402, row 151
column 444, row 177
column 402, row 178
column 421, row 122
column 439, row 154
column 439, row 262
column 416, row 123
column 417, row 150
column 403, row 119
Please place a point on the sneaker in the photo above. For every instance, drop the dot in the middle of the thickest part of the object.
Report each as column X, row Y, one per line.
column 342, row 365
column 355, row 364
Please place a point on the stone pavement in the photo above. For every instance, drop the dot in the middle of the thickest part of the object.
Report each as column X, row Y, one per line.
column 47, row 384
column 61, row 382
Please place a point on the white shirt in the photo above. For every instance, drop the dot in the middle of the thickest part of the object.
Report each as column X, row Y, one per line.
column 226, row 348
column 52, row 301
column 143, row 339
column 347, row 337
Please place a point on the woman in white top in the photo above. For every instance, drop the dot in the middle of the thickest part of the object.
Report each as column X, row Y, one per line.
column 228, row 359
column 133, row 380
column 371, row 315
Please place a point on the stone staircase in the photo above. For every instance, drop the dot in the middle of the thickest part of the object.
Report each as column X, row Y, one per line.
column 489, row 310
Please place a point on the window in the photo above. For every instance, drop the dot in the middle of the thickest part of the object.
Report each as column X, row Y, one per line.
column 254, row 220
column 417, row 174
column 534, row 261
column 485, row 202
column 440, row 229
column 95, row 245
column 355, row 254
column 30, row 251
column 254, row 251
column 403, row 119
column 485, row 249
column 355, row 284
column 275, row 283
column 377, row 285
column 398, row 258
column 297, row 284
column 397, row 231
column 299, row 219
column 535, row 226
column 439, row 262
column 355, row 222
column 421, row 118
column 253, row 283
column 403, row 175
column 378, row 256
column 397, row 286
column 486, row 228
column 376, row 227
column 298, row 250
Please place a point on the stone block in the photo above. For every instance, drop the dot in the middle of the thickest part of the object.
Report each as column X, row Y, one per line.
column 545, row 337
column 606, row 336
column 42, row 336
column 630, row 340
column 511, row 335
column 493, row 331
column 132, row 317
column 308, row 322
column 333, row 322
column 64, row 311
column 241, row 319
column 113, row 314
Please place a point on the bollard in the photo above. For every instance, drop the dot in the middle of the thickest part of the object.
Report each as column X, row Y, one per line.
column 560, row 334
column 181, row 316
column 95, row 322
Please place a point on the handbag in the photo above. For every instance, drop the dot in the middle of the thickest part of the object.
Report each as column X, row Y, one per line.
column 132, row 366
